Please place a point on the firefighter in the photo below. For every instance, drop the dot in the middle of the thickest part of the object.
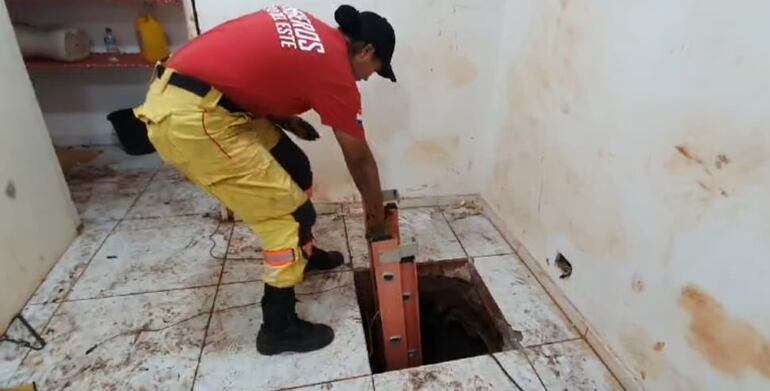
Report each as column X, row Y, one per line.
column 217, row 110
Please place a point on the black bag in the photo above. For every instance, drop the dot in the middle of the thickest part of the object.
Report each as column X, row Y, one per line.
column 132, row 133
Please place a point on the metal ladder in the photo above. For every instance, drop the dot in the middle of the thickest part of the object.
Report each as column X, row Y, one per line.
column 395, row 280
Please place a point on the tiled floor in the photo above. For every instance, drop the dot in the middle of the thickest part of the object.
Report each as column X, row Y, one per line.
column 156, row 293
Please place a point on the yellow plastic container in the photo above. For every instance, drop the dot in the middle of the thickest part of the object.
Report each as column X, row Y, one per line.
column 152, row 38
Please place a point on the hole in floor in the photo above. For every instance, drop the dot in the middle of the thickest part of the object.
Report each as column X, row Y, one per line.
column 458, row 318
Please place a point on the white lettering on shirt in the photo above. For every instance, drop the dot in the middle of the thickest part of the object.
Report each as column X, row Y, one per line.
column 295, row 30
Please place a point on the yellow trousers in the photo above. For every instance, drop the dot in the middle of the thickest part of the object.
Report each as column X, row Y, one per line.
column 228, row 155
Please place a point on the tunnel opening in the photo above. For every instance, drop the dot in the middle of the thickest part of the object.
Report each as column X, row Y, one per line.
column 458, row 318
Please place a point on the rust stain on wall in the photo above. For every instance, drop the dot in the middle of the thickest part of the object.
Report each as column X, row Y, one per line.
column 646, row 358
column 441, row 63
column 435, row 151
column 730, row 345
column 684, row 151
column 721, row 161
column 585, row 210
column 702, row 171
column 461, row 72
column 544, row 185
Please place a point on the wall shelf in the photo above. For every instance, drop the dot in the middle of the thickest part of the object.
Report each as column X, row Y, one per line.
column 95, row 60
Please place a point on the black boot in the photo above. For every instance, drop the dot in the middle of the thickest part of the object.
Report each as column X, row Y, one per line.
column 324, row 260
column 282, row 331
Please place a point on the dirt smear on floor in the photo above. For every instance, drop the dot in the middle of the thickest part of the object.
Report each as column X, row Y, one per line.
column 71, row 159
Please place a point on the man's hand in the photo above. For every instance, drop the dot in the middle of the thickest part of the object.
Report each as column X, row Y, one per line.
column 377, row 233
column 298, row 126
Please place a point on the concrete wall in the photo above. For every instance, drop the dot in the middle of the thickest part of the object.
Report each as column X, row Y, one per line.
column 75, row 102
column 37, row 217
column 634, row 138
column 423, row 128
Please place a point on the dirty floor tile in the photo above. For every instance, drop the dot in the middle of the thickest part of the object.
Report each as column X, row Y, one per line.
column 476, row 373
column 242, row 270
column 72, row 264
column 245, row 244
column 357, row 384
column 104, row 163
column 330, row 235
column 11, row 354
column 169, row 173
column 230, row 360
column 572, row 365
column 359, row 252
column 175, row 197
column 524, row 303
column 244, row 257
column 146, row 341
column 114, row 158
column 156, row 254
column 477, row 235
column 107, row 200
column 515, row 363
column 435, row 239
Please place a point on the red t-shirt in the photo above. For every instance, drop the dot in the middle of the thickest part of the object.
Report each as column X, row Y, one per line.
column 280, row 61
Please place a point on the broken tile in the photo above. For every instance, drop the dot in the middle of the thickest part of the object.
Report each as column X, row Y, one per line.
column 524, row 303
column 359, row 250
column 11, row 354
column 327, row 208
column 464, row 208
column 353, row 208
column 434, row 201
column 244, row 257
column 435, row 239
column 476, row 373
column 230, row 360
column 72, row 264
column 517, row 366
column 146, row 341
column 156, row 254
column 477, row 235
column 572, row 365
column 164, row 198
column 107, row 200
column 357, row 384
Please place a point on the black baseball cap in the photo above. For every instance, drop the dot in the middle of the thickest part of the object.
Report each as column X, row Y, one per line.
column 371, row 28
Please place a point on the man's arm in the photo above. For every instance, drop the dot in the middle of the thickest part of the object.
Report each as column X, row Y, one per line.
column 363, row 169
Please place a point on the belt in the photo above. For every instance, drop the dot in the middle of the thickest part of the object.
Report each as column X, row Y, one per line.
column 199, row 88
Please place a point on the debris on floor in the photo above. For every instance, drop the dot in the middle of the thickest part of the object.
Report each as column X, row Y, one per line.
column 158, row 297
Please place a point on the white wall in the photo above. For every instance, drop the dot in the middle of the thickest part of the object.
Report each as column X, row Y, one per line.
column 37, row 217
column 634, row 137
column 423, row 128
column 75, row 102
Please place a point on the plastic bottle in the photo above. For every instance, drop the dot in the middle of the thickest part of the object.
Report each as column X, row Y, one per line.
column 110, row 43
column 152, row 38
